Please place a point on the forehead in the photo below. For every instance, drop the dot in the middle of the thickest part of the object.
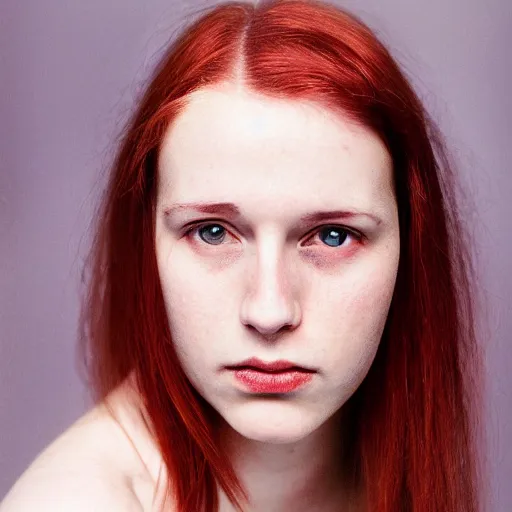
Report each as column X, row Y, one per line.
column 231, row 144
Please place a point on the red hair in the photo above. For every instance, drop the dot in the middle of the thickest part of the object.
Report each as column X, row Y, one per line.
column 415, row 418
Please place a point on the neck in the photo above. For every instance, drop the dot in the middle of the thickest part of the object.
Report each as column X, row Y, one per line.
column 302, row 476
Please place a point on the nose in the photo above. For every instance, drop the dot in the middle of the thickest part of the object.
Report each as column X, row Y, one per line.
column 270, row 304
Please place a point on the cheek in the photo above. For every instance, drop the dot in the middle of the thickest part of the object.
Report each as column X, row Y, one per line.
column 354, row 322
column 195, row 308
column 371, row 296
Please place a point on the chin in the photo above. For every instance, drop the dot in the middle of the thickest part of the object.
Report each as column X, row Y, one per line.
column 272, row 422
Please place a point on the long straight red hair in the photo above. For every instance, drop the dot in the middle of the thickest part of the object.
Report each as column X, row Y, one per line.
column 415, row 418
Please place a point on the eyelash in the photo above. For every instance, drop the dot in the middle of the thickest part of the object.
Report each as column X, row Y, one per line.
column 355, row 234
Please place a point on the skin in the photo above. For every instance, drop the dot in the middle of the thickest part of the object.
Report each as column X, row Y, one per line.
column 106, row 461
column 264, row 285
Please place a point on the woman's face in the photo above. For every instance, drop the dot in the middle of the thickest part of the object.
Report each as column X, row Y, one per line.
column 254, row 276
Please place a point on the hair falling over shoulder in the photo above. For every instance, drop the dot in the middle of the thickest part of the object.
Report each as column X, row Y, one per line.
column 416, row 417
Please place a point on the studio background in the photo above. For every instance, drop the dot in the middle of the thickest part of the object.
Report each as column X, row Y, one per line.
column 69, row 72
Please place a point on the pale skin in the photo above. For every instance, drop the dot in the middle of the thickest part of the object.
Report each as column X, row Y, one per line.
column 263, row 283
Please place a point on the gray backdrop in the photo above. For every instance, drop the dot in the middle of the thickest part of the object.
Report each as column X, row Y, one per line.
column 68, row 74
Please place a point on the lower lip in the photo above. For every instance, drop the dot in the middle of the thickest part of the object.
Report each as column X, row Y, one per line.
column 276, row 382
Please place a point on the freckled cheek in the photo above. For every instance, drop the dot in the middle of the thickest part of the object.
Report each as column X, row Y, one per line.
column 358, row 299
column 213, row 263
column 194, row 309
column 195, row 297
column 353, row 320
column 191, row 294
column 373, row 291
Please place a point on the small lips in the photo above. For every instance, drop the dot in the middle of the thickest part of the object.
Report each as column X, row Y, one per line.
column 271, row 367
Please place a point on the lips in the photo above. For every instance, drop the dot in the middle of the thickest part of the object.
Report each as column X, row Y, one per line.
column 276, row 377
column 271, row 367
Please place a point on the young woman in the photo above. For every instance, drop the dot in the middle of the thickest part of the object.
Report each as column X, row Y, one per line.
column 279, row 313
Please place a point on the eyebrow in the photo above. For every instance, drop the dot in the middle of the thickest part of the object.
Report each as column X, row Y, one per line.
column 231, row 210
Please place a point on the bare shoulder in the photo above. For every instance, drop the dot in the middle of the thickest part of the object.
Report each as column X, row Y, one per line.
column 93, row 465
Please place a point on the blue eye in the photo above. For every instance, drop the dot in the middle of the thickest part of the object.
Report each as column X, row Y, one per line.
column 334, row 236
column 331, row 236
column 214, row 232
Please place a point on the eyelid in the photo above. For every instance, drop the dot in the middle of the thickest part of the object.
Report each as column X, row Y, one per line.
column 358, row 235
column 352, row 231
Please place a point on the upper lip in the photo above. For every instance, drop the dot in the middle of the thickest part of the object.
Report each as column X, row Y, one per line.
column 272, row 366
